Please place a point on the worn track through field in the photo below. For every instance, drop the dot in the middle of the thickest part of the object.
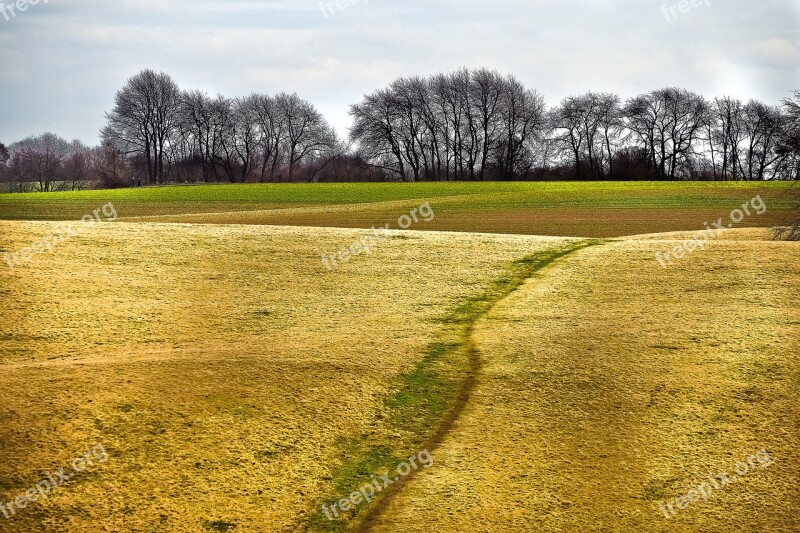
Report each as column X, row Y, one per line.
column 536, row 264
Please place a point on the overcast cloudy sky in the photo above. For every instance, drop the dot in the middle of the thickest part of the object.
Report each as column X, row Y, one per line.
column 62, row 62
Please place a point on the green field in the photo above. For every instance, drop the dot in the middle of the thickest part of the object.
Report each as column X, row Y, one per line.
column 597, row 209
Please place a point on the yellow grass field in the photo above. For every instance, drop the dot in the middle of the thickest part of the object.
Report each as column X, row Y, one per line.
column 237, row 384
column 609, row 387
column 220, row 366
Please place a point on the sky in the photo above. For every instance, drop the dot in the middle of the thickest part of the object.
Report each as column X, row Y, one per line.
column 61, row 61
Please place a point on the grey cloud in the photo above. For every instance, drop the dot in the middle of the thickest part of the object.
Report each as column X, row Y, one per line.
column 63, row 61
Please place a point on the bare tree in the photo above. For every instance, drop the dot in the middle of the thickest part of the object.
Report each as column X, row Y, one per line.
column 723, row 133
column 590, row 127
column 272, row 126
column 790, row 143
column 245, row 133
column 308, row 135
column 77, row 167
column 790, row 146
column 223, row 147
column 434, row 143
column 668, row 124
column 452, row 111
column 144, row 117
column 376, row 130
column 109, row 166
column 485, row 92
column 197, row 112
column 762, row 128
column 611, row 125
column 4, row 157
column 39, row 159
column 523, row 116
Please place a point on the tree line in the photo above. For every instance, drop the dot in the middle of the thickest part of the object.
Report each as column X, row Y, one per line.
column 472, row 125
column 188, row 135
column 478, row 125
column 49, row 163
